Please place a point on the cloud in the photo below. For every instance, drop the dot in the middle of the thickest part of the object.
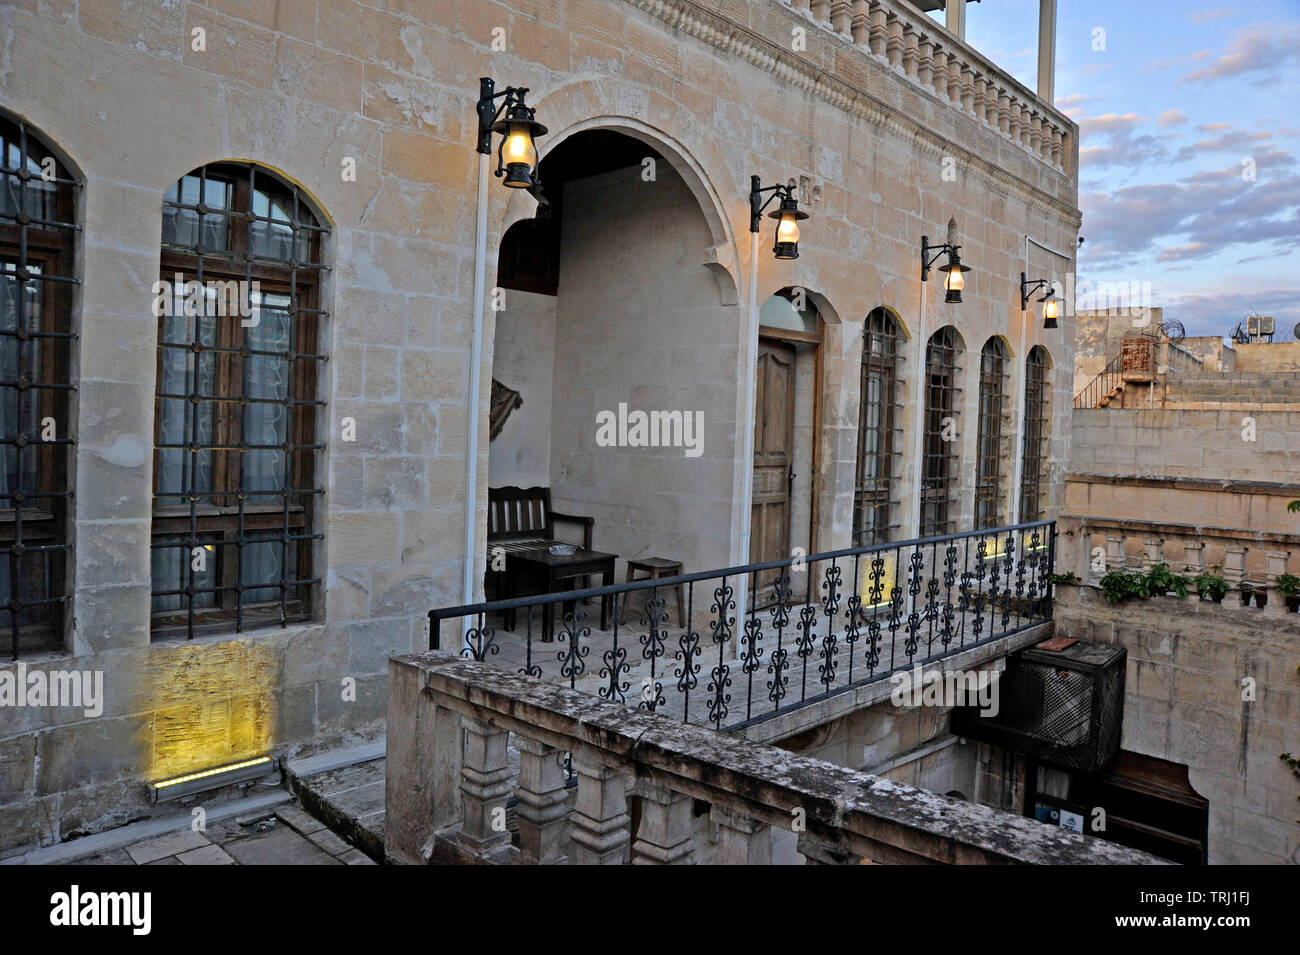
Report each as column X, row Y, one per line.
column 1234, row 140
column 1195, row 217
column 1172, row 117
column 1217, row 311
column 1205, row 16
column 1124, row 144
column 1259, row 48
column 1073, row 101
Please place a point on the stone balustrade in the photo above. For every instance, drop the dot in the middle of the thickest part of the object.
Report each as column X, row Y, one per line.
column 1090, row 547
column 645, row 783
column 924, row 53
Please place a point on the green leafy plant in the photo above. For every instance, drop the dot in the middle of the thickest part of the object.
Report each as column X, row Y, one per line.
column 1288, row 585
column 1119, row 585
column 1067, row 578
column 1161, row 580
column 1210, row 586
column 1294, row 507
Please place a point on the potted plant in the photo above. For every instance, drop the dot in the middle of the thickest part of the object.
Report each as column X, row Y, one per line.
column 1161, row 580
column 1245, row 590
column 1210, row 586
column 1288, row 585
column 1118, row 585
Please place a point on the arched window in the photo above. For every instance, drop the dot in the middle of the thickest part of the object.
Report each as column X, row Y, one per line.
column 38, row 223
column 939, row 453
column 875, row 497
column 235, row 476
column 990, row 473
column 1038, row 437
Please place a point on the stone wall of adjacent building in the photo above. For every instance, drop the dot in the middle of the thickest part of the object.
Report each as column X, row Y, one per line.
column 1214, row 688
column 311, row 88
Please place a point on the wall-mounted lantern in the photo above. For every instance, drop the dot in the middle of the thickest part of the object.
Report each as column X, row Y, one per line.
column 518, row 127
column 955, row 279
column 1051, row 305
column 788, row 216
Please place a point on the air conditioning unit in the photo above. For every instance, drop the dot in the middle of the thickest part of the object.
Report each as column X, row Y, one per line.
column 1062, row 707
column 1259, row 325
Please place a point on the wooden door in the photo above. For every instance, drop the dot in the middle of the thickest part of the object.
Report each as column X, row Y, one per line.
column 773, row 456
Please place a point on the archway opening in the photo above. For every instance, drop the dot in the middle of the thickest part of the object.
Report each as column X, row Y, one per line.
column 614, row 365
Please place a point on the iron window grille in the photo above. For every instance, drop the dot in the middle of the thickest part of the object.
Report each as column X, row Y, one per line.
column 939, row 450
column 38, row 227
column 1038, row 433
column 875, row 499
column 990, row 483
column 235, row 446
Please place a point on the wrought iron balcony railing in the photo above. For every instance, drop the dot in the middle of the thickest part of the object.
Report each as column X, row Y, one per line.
column 760, row 640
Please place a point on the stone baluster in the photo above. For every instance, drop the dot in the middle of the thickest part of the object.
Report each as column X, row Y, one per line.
column 1004, row 111
column 911, row 42
column 954, row 76
column 939, row 72
column 861, row 23
column 1153, row 551
column 879, row 31
column 1058, row 146
column 602, row 829
column 1115, row 559
column 664, row 836
column 894, row 41
column 543, row 812
column 1013, row 124
column 484, row 786
column 1027, row 117
column 925, row 62
column 967, row 89
column 1277, row 561
column 821, row 852
column 1234, row 562
column 1194, row 551
column 1036, row 140
column 741, row 839
column 842, row 17
column 800, row 5
column 821, row 10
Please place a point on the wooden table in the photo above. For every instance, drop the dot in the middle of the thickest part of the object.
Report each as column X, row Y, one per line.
column 541, row 569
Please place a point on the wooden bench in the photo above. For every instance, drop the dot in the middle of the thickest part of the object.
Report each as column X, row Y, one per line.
column 521, row 518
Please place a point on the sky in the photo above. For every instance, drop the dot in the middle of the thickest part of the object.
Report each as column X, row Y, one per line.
column 1189, row 153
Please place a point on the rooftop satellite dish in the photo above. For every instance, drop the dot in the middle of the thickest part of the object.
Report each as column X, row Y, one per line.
column 1296, row 331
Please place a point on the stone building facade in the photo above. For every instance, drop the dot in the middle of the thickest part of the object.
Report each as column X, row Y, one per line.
column 361, row 117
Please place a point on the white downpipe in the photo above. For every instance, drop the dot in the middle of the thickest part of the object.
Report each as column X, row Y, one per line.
column 475, row 384
column 749, row 366
column 918, row 431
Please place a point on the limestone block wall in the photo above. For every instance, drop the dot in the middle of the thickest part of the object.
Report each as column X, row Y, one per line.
column 1221, row 696
column 1175, row 443
column 524, row 359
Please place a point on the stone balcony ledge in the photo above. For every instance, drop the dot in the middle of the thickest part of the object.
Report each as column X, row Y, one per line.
column 448, row 726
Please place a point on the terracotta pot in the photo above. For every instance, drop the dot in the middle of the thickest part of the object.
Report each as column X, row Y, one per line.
column 1293, row 603
column 1245, row 598
column 1261, row 598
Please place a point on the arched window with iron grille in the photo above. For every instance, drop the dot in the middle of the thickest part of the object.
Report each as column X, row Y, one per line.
column 993, row 432
column 939, row 450
column 38, row 229
column 235, row 462
column 1035, row 459
column 875, row 497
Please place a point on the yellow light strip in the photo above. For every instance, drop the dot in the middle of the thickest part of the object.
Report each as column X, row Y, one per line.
column 211, row 772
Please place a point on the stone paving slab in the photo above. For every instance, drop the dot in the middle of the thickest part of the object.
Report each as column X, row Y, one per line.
column 169, row 845
column 207, row 855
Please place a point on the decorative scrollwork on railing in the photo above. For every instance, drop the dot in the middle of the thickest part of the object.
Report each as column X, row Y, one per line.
column 615, row 666
column 480, row 642
column 721, row 627
column 852, row 627
column 831, row 585
column 805, row 643
column 572, row 658
column 687, row 671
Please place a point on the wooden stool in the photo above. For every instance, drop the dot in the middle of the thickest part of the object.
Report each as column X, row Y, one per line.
column 655, row 568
